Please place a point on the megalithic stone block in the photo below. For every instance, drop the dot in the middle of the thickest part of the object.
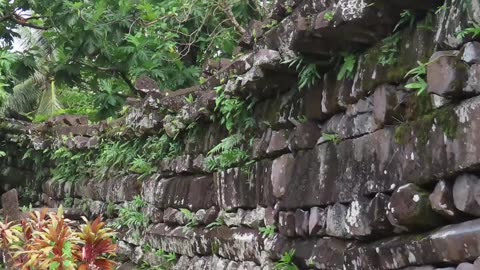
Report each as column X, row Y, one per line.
column 11, row 207
column 410, row 208
column 441, row 200
column 465, row 195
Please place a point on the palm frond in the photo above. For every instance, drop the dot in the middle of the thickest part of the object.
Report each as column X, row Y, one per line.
column 49, row 103
column 24, row 97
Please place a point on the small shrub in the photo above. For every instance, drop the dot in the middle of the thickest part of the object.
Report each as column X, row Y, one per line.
column 268, row 231
column 307, row 72
column 217, row 223
column 406, row 18
column 329, row 16
column 48, row 241
column 227, row 154
column 418, row 74
column 390, row 50
column 473, row 31
column 131, row 215
column 286, row 262
column 331, row 138
column 348, row 68
column 190, row 216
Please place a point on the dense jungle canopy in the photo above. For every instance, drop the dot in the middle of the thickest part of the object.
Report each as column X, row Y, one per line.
column 83, row 57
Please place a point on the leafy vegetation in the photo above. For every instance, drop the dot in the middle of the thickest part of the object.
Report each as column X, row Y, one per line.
column 347, row 71
column 418, row 76
column 191, row 218
column 286, row 262
column 217, row 223
column 390, row 50
column 473, row 31
column 48, row 241
column 268, row 231
column 307, row 72
column 331, row 138
column 101, row 48
column 168, row 260
column 329, row 16
column 406, row 18
column 131, row 216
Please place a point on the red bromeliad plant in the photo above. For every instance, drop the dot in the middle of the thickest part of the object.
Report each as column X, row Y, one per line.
column 49, row 241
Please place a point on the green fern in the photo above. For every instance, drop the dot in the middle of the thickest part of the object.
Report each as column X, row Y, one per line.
column 286, row 262
column 190, row 216
column 307, row 73
column 227, row 144
column 217, row 223
column 331, row 138
column 268, row 231
column 471, row 31
column 348, row 68
column 418, row 74
column 406, row 18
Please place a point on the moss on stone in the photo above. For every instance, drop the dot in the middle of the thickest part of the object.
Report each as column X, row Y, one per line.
column 403, row 133
column 447, row 119
column 422, row 127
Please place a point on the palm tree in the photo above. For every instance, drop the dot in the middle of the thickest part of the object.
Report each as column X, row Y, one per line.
column 37, row 93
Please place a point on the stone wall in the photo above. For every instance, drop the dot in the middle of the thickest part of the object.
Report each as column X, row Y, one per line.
column 357, row 172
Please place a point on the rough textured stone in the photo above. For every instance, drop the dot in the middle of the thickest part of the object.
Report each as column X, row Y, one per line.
column 10, row 205
column 336, row 220
column 123, row 189
column 210, row 215
column 286, row 223
column 231, row 243
column 399, row 252
column 446, row 74
column 466, row 266
column 282, row 168
column 441, row 200
column 278, row 142
column 191, row 192
column 376, row 163
column 477, row 262
column 387, row 102
column 233, row 219
column 377, row 215
column 317, row 221
column 410, row 208
column 254, row 218
column 301, row 222
column 471, row 53
column 154, row 214
column 170, row 216
column 357, row 222
column 465, row 192
column 235, row 189
column 304, row 136
column 317, row 253
column 473, row 83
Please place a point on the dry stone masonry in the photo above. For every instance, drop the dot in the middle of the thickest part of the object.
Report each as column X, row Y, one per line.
column 354, row 172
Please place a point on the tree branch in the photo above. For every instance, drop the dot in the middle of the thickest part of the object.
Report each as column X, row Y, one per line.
column 6, row 17
column 115, row 71
column 228, row 11
column 23, row 22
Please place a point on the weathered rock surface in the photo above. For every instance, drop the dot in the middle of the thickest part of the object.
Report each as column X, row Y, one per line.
column 446, row 74
column 441, row 200
column 465, row 192
column 451, row 244
column 10, row 205
column 410, row 208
